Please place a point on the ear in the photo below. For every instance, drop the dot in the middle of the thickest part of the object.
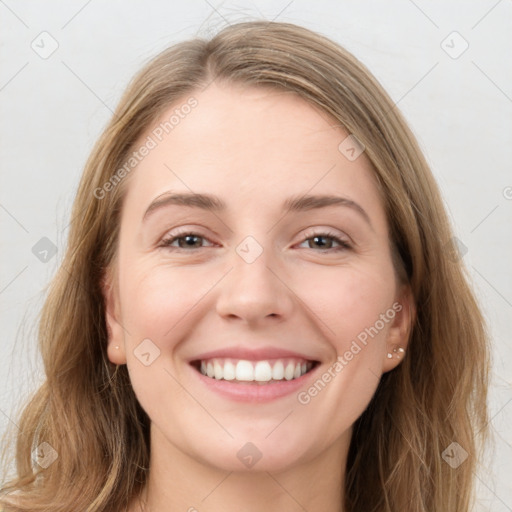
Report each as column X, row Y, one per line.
column 401, row 327
column 114, row 327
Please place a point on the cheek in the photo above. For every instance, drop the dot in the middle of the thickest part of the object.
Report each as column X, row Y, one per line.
column 351, row 301
column 158, row 304
column 352, row 307
column 159, row 301
column 156, row 300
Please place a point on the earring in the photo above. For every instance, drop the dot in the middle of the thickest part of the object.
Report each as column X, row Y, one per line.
column 398, row 351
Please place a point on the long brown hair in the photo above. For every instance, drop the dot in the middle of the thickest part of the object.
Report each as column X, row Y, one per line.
column 86, row 409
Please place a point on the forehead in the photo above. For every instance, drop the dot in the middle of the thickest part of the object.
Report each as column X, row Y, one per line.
column 251, row 146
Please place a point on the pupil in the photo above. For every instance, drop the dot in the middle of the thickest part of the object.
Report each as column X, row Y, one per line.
column 316, row 238
column 189, row 240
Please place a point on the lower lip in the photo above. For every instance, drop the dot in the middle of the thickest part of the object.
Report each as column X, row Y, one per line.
column 252, row 391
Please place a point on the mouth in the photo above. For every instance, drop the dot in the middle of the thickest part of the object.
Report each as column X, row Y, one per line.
column 256, row 372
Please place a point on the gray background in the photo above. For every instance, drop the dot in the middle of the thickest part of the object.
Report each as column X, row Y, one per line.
column 53, row 107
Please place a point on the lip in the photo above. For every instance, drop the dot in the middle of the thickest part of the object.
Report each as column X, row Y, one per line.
column 251, row 354
column 253, row 392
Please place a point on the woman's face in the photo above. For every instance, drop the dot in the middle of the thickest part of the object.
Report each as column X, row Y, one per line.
column 280, row 290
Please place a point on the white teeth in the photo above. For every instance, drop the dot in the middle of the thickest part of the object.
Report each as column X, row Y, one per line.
column 229, row 371
column 289, row 371
column 244, row 371
column 259, row 371
column 217, row 368
column 278, row 371
column 262, row 371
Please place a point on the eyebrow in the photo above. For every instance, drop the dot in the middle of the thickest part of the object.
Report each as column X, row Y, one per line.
column 213, row 203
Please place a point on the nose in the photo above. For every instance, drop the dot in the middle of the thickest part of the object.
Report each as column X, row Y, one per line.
column 255, row 292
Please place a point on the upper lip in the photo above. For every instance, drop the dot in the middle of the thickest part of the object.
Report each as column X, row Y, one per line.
column 251, row 354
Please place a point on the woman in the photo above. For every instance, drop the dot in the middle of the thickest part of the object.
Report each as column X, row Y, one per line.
column 205, row 350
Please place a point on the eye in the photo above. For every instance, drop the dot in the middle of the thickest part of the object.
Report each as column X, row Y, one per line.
column 319, row 239
column 191, row 240
column 188, row 240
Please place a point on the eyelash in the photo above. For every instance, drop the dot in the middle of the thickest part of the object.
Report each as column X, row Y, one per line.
column 343, row 244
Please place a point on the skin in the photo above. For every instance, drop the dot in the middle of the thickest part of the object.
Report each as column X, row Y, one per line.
column 252, row 147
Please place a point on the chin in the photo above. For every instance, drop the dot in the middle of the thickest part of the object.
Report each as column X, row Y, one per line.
column 253, row 457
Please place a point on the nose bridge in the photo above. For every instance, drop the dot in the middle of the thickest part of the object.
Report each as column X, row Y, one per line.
column 252, row 290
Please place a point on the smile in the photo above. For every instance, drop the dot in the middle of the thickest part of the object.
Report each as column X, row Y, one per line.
column 262, row 371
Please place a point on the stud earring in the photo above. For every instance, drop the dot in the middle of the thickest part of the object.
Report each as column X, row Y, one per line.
column 398, row 351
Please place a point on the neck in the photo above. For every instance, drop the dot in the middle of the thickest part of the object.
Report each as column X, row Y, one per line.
column 178, row 481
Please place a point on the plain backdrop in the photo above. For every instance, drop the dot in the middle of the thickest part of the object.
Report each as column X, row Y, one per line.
column 64, row 66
